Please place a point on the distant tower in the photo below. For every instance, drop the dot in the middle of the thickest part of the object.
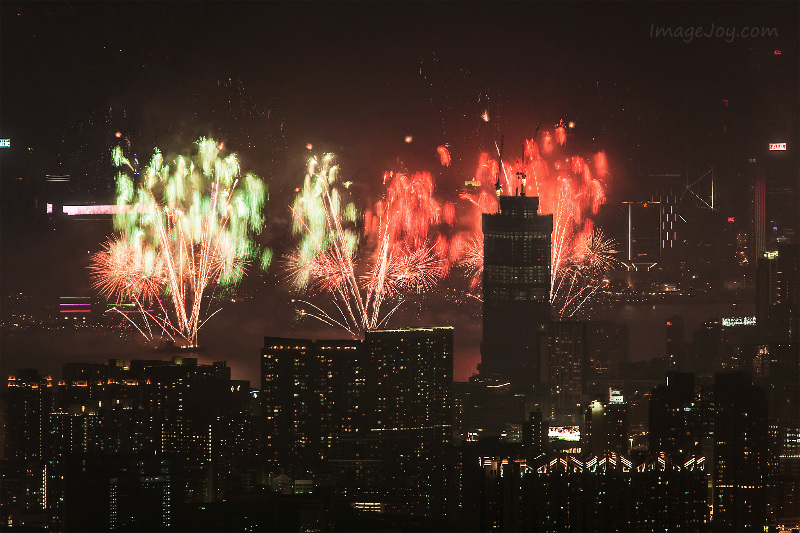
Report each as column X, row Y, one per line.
column 516, row 290
column 760, row 213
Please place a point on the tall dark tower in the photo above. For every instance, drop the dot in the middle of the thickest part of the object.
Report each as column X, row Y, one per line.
column 516, row 290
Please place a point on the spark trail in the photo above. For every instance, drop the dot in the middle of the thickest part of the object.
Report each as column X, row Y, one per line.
column 367, row 263
column 186, row 229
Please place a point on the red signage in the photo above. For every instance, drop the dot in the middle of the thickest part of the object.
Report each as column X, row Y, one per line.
column 777, row 146
column 731, row 220
column 777, row 52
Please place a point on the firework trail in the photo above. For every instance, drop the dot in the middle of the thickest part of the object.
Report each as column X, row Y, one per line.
column 581, row 276
column 184, row 230
column 569, row 187
column 367, row 263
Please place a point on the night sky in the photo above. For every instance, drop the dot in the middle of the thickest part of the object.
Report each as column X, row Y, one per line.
column 354, row 78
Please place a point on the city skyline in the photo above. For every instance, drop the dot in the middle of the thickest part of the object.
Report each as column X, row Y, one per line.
column 654, row 105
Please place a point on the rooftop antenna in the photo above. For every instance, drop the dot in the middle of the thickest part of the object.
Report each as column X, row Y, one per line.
column 497, row 187
column 521, row 175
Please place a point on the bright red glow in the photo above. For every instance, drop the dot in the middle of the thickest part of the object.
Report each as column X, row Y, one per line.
column 309, row 146
column 568, row 186
column 777, row 52
column 777, row 146
column 449, row 213
column 731, row 219
column 404, row 251
column 444, row 154
column 561, row 135
column 547, row 143
column 118, row 134
column 409, row 138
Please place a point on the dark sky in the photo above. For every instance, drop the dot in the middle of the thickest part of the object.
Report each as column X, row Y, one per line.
column 356, row 78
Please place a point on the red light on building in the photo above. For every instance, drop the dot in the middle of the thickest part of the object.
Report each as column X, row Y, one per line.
column 777, row 52
column 731, row 220
column 777, row 146
column 724, row 103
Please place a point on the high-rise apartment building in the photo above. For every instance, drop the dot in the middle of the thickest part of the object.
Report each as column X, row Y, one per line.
column 289, row 397
column 193, row 411
column 567, row 366
column 413, row 412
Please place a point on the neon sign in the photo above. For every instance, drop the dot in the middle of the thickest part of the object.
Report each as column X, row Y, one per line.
column 777, row 146
column 739, row 321
column 5, row 143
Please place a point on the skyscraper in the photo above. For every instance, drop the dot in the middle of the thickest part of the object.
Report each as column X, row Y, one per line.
column 516, row 290
column 740, row 453
column 777, row 301
column 413, row 412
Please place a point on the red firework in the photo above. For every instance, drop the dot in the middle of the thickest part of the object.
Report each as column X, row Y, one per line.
column 569, row 187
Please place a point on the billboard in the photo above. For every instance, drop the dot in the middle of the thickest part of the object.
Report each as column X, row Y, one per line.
column 735, row 321
column 615, row 396
column 567, row 433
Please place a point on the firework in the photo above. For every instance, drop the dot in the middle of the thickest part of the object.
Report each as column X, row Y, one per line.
column 368, row 263
column 569, row 187
column 181, row 232
column 582, row 275
column 444, row 154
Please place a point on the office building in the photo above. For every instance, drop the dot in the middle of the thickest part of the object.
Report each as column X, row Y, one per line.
column 777, row 301
column 605, row 427
column 740, row 454
column 516, row 287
